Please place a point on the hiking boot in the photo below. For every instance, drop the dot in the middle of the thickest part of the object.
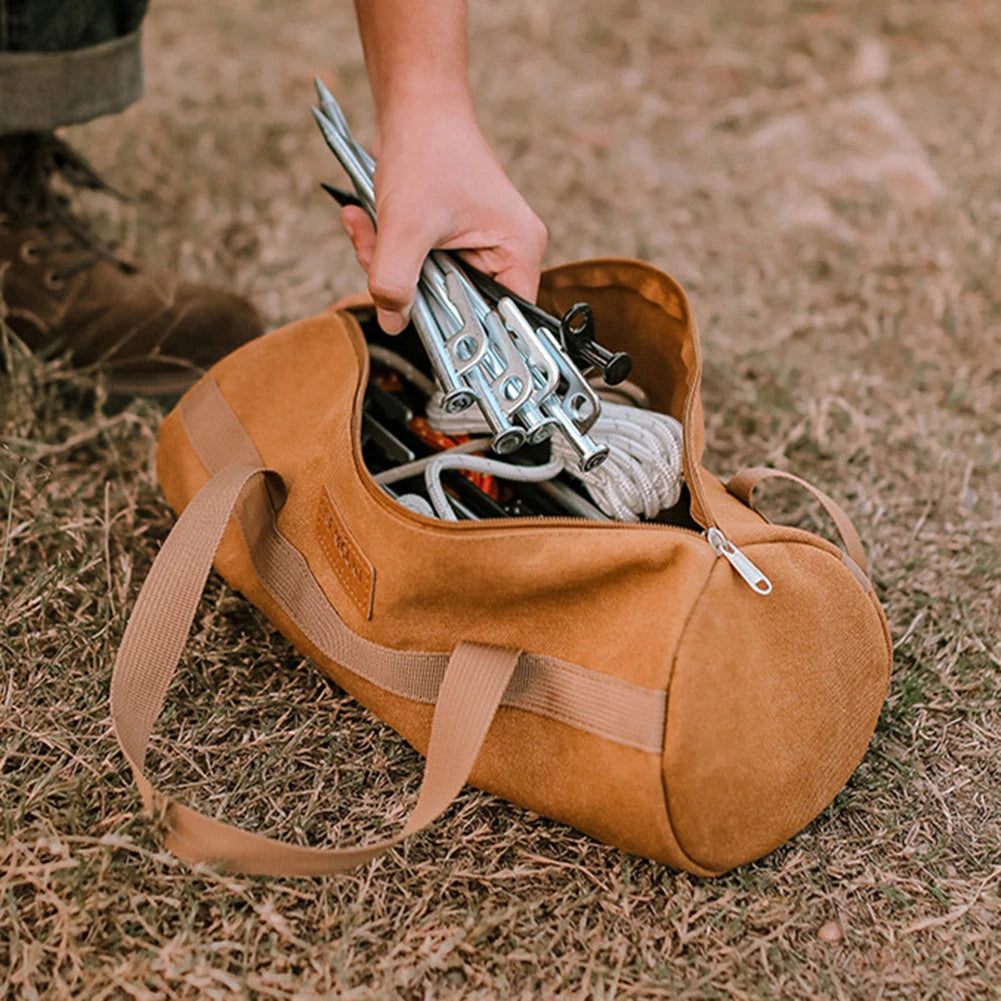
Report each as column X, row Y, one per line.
column 66, row 292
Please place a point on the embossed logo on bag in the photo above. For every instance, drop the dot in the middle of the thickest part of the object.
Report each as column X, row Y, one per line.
column 349, row 563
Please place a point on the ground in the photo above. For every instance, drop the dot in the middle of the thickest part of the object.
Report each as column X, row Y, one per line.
column 823, row 178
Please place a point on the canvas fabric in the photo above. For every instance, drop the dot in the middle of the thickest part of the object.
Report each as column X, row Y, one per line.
column 639, row 690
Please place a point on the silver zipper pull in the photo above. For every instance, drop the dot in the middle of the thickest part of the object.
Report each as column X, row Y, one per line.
column 722, row 546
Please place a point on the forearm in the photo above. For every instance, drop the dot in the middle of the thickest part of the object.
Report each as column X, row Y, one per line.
column 438, row 183
column 415, row 51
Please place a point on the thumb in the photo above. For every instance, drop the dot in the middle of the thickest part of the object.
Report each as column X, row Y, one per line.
column 521, row 277
column 361, row 231
column 396, row 265
column 515, row 262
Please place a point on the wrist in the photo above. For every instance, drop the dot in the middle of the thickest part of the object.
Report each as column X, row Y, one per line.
column 411, row 102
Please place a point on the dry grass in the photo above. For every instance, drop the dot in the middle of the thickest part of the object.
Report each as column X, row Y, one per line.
column 824, row 179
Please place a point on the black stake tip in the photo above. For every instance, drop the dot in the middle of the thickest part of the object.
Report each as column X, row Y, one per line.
column 341, row 196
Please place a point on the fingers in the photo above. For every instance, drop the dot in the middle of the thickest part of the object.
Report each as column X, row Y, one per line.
column 516, row 262
column 521, row 276
column 361, row 231
column 393, row 258
column 388, row 269
column 399, row 252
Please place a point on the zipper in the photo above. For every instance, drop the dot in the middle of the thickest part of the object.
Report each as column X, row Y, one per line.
column 719, row 543
column 722, row 546
column 525, row 521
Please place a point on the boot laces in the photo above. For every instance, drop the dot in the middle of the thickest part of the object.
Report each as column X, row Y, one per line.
column 29, row 199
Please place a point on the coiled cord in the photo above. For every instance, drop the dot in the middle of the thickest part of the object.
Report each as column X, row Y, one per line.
column 642, row 474
column 459, row 458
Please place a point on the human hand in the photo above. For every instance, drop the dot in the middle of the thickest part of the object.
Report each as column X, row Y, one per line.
column 439, row 185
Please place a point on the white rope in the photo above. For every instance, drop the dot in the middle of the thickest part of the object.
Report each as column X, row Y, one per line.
column 432, row 467
column 622, row 392
column 417, row 504
column 409, row 469
column 478, row 464
column 642, row 474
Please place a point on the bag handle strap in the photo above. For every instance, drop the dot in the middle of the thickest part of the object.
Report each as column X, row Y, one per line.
column 742, row 486
column 471, row 690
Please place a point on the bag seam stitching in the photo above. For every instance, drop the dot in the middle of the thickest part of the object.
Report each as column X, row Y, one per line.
column 667, row 712
column 351, row 587
column 869, row 595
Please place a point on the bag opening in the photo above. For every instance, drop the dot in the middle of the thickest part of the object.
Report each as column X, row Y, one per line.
column 401, row 432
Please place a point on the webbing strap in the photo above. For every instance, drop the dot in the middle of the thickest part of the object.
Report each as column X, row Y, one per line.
column 470, row 692
column 742, row 486
column 609, row 707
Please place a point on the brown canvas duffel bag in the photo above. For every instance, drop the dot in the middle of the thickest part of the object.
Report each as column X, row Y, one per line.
column 700, row 719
